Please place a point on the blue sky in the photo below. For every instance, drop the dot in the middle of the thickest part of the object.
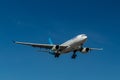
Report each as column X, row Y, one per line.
column 36, row 21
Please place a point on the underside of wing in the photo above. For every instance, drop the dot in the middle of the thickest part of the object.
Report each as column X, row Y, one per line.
column 47, row 46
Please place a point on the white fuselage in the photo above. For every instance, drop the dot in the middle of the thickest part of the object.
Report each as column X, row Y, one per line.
column 74, row 43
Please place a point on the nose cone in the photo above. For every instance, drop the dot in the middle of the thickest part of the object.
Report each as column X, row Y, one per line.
column 85, row 37
column 82, row 36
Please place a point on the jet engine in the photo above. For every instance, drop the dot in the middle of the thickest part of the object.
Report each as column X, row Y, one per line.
column 56, row 47
column 84, row 50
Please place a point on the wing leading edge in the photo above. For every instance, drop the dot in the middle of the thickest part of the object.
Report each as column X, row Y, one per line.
column 96, row 48
column 46, row 46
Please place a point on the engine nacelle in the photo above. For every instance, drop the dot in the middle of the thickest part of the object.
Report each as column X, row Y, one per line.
column 84, row 50
column 56, row 47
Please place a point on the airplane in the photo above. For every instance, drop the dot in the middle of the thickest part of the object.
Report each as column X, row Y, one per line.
column 73, row 45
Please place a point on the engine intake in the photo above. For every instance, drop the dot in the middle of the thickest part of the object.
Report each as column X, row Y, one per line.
column 56, row 47
column 84, row 50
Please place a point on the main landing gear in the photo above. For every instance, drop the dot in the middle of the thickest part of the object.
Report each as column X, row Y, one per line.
column 57, row 55
column 74, row 54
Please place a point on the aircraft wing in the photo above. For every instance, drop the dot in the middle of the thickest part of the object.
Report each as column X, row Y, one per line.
column 96, row 48
column 47, row 46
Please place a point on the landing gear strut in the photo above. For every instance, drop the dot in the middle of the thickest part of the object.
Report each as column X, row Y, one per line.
column 57, row 54
column 74, row 55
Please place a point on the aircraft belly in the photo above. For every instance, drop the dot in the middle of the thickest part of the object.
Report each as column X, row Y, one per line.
column 72, row 45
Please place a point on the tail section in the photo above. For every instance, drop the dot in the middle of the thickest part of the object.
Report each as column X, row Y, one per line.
column 50, row 41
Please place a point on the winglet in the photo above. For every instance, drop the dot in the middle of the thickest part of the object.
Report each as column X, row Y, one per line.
column 13, row 41
column 101, row 49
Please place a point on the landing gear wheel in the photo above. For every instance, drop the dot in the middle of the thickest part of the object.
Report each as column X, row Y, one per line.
column 57, row 55
column 74, row 56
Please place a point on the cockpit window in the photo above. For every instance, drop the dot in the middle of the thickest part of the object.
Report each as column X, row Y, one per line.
column 83, row 35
